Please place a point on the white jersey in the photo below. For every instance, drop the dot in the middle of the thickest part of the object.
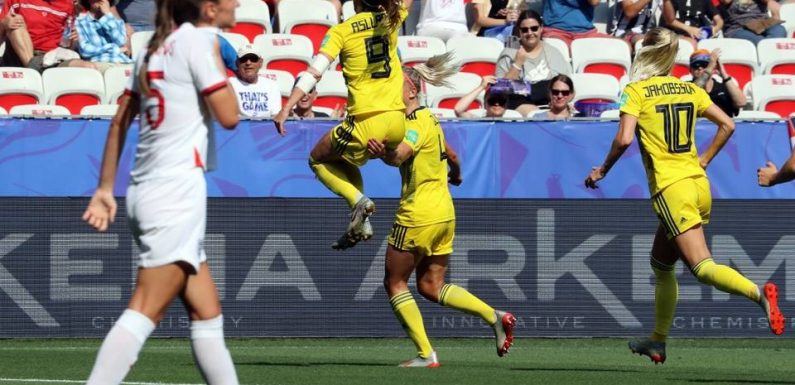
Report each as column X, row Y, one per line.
column 257, row 100
column 444, row 11
column 175, row 125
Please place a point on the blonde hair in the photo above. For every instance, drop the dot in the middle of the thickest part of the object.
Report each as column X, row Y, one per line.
column 657, row 55
column 434, row 71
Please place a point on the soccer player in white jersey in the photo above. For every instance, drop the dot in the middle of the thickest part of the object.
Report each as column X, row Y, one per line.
column 177, row 83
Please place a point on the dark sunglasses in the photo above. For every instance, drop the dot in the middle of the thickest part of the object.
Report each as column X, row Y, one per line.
column 497, row 101
column 698, row 65
column 251, row 57
column 534, row 28
column 560, row 92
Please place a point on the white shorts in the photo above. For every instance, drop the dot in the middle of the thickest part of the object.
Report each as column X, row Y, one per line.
column 168, row 217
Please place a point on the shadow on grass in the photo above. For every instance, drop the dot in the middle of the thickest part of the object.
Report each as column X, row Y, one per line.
column 724, row 381
column 309, row 364
column 576, row 370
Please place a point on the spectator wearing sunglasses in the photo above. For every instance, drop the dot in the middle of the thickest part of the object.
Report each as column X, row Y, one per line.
column 722, row 89
column 561, row 93
column 257, row 96
column 533, row 61
column 495, row 103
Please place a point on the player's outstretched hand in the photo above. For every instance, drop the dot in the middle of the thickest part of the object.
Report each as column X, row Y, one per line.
column 376, row 149
column 765, row 174
column 101, row 210
column 597, row 173
column 279, row 120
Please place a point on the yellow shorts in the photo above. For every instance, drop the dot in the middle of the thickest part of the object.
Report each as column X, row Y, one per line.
column 435, row 239
column 349, row 138
column 683, row 204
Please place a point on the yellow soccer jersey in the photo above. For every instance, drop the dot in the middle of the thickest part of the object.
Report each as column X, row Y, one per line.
column 424, row 196
column 370, row 64
column 667, row 109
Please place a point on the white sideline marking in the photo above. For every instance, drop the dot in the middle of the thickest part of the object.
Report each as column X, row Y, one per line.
column 81, row 382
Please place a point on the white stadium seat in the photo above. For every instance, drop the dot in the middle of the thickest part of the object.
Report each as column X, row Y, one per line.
column 600, row 55
column 39, row 110
column 20, row 86
column 139, row 41
column 291, row 53
column 417, row 49
column 73, row 87
column 284, row 79
column 347, row 10
column 477, row 55
column 777, row 56
column 561, row 46
column 443, row 113
column 252, row 18
column 774, row 93
column 116, row 79
column 595, row 86
column 101, row 110
column 310, row 18
column 331, row 90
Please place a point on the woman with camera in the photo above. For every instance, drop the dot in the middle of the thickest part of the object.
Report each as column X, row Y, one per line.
column 532, row 61
column 495, row 103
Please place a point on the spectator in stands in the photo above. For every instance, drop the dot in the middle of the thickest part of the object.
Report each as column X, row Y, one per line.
column 303, row 109
column 495, row 18
column 533, row 61
column 632, row 18
column 257, row 96
column 34, row 33
column 139, row 14
column 102, row 37
column 495, row 104
column 570, row 19
column 561, row 93
column 442, row 18
column 688, row 17
column 749, row 20
column 726, row 94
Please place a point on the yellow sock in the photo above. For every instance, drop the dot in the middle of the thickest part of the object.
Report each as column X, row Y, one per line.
column 726, row 279
column 460, row 299
column 408, row 314
column 666, row 292
column 341, row 178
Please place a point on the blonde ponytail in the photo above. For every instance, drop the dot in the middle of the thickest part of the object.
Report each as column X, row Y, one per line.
column 657, row 55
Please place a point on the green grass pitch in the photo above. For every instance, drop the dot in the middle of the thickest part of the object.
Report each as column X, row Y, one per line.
column 373, row 362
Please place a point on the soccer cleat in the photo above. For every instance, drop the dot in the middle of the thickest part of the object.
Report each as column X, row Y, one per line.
column 346, row 241
column 419, row 362
column 647, row 347
column 769, row 302
column 359, row 214
column 503, row 331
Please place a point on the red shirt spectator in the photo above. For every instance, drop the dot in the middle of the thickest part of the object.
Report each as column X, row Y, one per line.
column 45, row 20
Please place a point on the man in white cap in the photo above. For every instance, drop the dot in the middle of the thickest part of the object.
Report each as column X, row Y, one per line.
column 257, row 96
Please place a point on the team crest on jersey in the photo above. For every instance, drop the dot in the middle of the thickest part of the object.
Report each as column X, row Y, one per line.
column 412, row 136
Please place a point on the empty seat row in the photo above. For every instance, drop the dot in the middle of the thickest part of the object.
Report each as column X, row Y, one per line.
column 72, row 88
